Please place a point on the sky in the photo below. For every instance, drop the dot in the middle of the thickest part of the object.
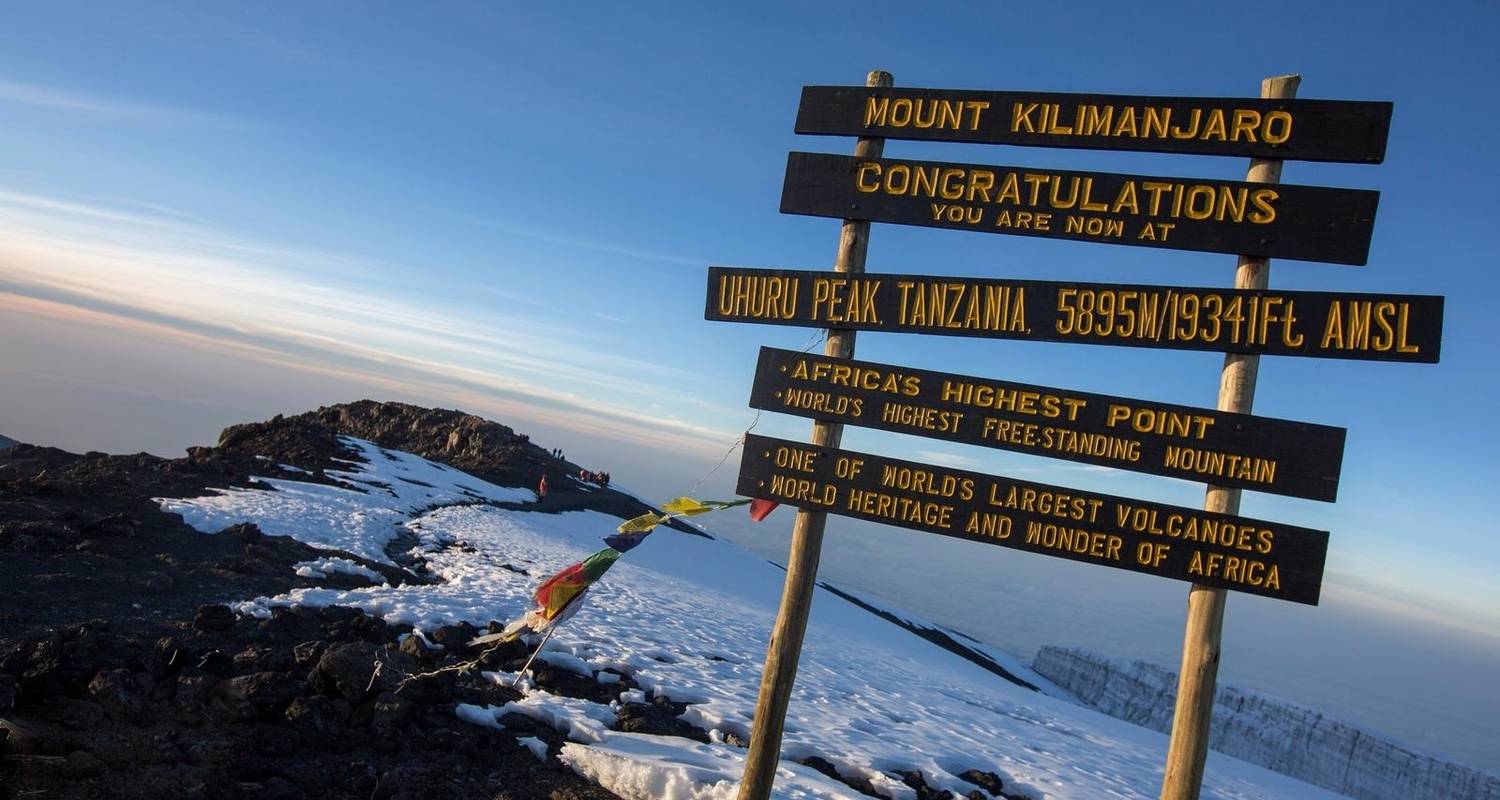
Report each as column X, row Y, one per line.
column 213, row 212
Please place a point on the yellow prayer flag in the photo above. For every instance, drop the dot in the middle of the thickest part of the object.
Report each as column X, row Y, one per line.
column 685, row 507
column 642, row 524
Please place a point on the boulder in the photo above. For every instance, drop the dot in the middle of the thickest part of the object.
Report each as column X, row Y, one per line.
column 119, row 693
column 215, row 618
column 352, row 670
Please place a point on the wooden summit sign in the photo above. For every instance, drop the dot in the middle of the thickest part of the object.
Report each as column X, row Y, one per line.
column 1307, row 130
column 1260, row 453
column 1370, row 327
column 1256, row 219
column 1214, row 549
column 1311, row 223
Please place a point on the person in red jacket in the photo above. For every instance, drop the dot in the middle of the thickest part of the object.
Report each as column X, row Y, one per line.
column 541, row 489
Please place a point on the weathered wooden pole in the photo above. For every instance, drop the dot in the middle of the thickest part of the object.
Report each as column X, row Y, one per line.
column 807, row 541
column 1199, row 675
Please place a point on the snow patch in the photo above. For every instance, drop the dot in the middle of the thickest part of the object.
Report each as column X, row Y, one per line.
column 537, row 747
column 580, row 720
column 360, row 517
column 321, row 568
column 641, row 767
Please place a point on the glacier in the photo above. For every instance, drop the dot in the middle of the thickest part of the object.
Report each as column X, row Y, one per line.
column 1281, row 736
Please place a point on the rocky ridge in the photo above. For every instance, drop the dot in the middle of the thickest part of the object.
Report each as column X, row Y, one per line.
column 123, row 675
column 480, row 447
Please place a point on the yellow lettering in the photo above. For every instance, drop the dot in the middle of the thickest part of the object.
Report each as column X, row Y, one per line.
column 1262, row 200
column 1278, row 127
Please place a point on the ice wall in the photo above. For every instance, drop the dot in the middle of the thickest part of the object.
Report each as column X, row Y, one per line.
column 1281, row 736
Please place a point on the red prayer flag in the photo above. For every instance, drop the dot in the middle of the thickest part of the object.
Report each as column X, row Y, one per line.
column 760, row 509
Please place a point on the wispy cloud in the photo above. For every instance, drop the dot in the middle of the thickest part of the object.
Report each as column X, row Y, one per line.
column 950, row 460
column 957, row 461
column 1092, row 469
column 158, row 274
column 587, row 244
column 1358, row 588
column 67, row 100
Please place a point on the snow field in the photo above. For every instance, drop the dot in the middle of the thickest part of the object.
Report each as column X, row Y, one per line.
column 688, row 618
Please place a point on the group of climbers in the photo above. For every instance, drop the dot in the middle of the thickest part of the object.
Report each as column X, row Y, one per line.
column 602, row 479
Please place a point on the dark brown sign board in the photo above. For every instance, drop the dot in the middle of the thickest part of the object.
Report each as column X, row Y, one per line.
column 1310, row 223
column 1259, row 453
column 1247, row 555
column 1370, row 327
column 1305, row 130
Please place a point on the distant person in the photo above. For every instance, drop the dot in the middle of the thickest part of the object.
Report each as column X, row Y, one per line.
column 541, row 489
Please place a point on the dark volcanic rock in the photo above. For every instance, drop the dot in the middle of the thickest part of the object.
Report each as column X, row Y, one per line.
column 214, row 618
column 307, row 654
column 318, row 719
column 268, row 690
column 81, row 537
column 858, row 784
column 82, row 764
column 79, row 715
column 415, row 647
column 301, row 441
column 7, row 692
column 119, row 692
column 124, row 674
column 988, row 781
column 455, row 637
column 353, row 670
column 133, row 728
column 346, row 670
column 657, row 718
column 915, row 780
column 473, row 444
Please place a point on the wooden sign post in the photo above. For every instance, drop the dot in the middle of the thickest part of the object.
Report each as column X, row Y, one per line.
column 1214, row 549
column 1199, row 675
column 807, row 540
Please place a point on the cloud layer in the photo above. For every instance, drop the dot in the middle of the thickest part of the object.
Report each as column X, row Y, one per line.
column 156, row 272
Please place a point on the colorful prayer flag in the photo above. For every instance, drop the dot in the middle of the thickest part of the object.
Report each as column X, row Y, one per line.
column 558, row 598
column 760, row 509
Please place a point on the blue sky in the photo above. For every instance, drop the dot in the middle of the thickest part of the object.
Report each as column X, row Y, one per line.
column 214, row 212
